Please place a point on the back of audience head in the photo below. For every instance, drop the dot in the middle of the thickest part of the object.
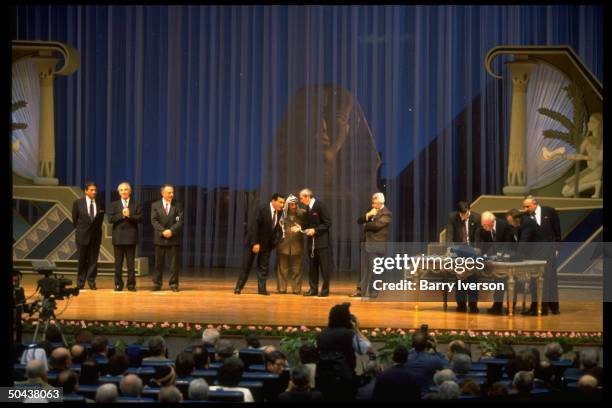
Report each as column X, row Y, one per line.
column 527, row 360
column 107, row 393
column 400, row 354
column 553, row 351
column 200, row 357
column 587, row 384
column 461, row 364
column 157, row 347
column 308, row 353
column 498, row 389
column 83, row 336
column 419, row 341
column 505, row 351
column 164, row 376
column 69, row 381
column 454, row 347
column 198, row 390
column 252, row 341
column 78, row 354
column 225, row 350
column 118, row 364
column 131, row 386
column 99, row 345
column 170, row 395
column 36, row 369
column 589, row 359
column 184, row 364
column 275, row 362
column 210, row 337
column 470, row 387
column 446, row 374
column 300, row 377
column 523, row 382
column 60, row 359
column 230, row 373
column 449, row 390
column 90, row 372
column 340, row 317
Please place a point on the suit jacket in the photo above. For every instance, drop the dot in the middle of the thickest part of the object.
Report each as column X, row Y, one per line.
column 397, row 383
column 260, row 231
column 503, row 234
column 161, row 222
column 125, row 229
column 88, row 231
column 376, row 230
column 318, row 218
column 455, row 224
column 529, row 233
column 551, row 227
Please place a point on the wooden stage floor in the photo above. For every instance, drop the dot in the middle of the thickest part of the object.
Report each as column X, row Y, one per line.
column 211, row 300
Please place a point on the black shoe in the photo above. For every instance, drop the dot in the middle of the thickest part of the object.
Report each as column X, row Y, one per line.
column 357, row 293
column 310, row 293
column 263, row 293
column 461, row 308
column 92, row 286
column 297, row 293
column 175, row 289
column 80, row 287
column 132, row 289
column 497, row 309
column 118, row 289
column 236, row 291
column 323, row 294
column 281, row 292
column 473, row 310
column 156, row 289
column 554, row 308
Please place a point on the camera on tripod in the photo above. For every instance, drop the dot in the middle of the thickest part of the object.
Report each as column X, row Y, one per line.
column 51, row 286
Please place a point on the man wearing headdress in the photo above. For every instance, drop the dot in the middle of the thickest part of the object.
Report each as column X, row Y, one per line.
column 290, row 249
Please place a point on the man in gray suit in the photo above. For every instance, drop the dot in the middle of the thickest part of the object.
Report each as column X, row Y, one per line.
column 167, row 220
column 376, row 224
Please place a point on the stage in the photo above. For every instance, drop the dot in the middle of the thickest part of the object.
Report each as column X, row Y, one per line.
column 211, row 300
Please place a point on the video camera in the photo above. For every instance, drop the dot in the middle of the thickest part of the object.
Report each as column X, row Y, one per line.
column 51, row 286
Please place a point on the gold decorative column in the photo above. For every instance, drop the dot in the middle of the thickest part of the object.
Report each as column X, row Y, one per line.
column 520, row 69
column 46, row 150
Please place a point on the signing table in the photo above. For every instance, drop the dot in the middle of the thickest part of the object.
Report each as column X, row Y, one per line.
column 515, row 272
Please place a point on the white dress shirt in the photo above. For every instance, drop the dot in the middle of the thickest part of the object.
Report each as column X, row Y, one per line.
column 538, row 215
column 311, row 204
column 272, row 214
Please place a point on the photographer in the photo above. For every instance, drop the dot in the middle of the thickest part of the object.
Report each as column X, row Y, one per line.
column 424, row 359
column 19, row 305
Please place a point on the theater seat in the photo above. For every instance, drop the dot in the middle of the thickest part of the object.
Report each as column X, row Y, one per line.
column 157, row 363
column 113, row 379
column 74, row 398
column 150, row 392
column 250, row 357
column 88, row 390
column 209, row 375
column 225, row 396
column 136, row 399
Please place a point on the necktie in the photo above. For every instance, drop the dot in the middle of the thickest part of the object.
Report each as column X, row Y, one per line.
column 465, row 237
column 91, row 210
column 167, row 209
column 125, row 204
column 493, row 234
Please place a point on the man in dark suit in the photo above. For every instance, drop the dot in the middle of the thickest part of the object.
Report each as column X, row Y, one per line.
column 548, row 220
column 125, row 214
column 317, row 224
column 87, row 218
column 263, row 233
column 494, row 235
column 167, row 221
column 461, row 228
column 397, row 383
column 376, row 224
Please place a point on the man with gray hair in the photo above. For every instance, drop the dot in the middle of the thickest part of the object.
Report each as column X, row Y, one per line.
column 36, row 373
column 198, row 390
column 523, row 382
column 157, row 349
column 449, row 390
column 125, row 214
column 446, row 374
column 553, row 351
column 170, row 395
column 60, row 359
column 131, row 386
column 317, row 223
column 210, row 337
column 461, row 364
column 376, row 222
column 107, row 393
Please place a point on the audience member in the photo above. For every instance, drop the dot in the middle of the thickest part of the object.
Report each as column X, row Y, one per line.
column 170, row 395
column 157, row 349
column 198, row 390
column 131, row 386
column 299, row 387
column 398, row 382
column 118, row 364
column 90, row 372
column 107, row 393
column 229, row 376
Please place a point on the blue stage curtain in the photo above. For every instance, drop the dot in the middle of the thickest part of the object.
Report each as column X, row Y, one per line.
column 195, row 95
